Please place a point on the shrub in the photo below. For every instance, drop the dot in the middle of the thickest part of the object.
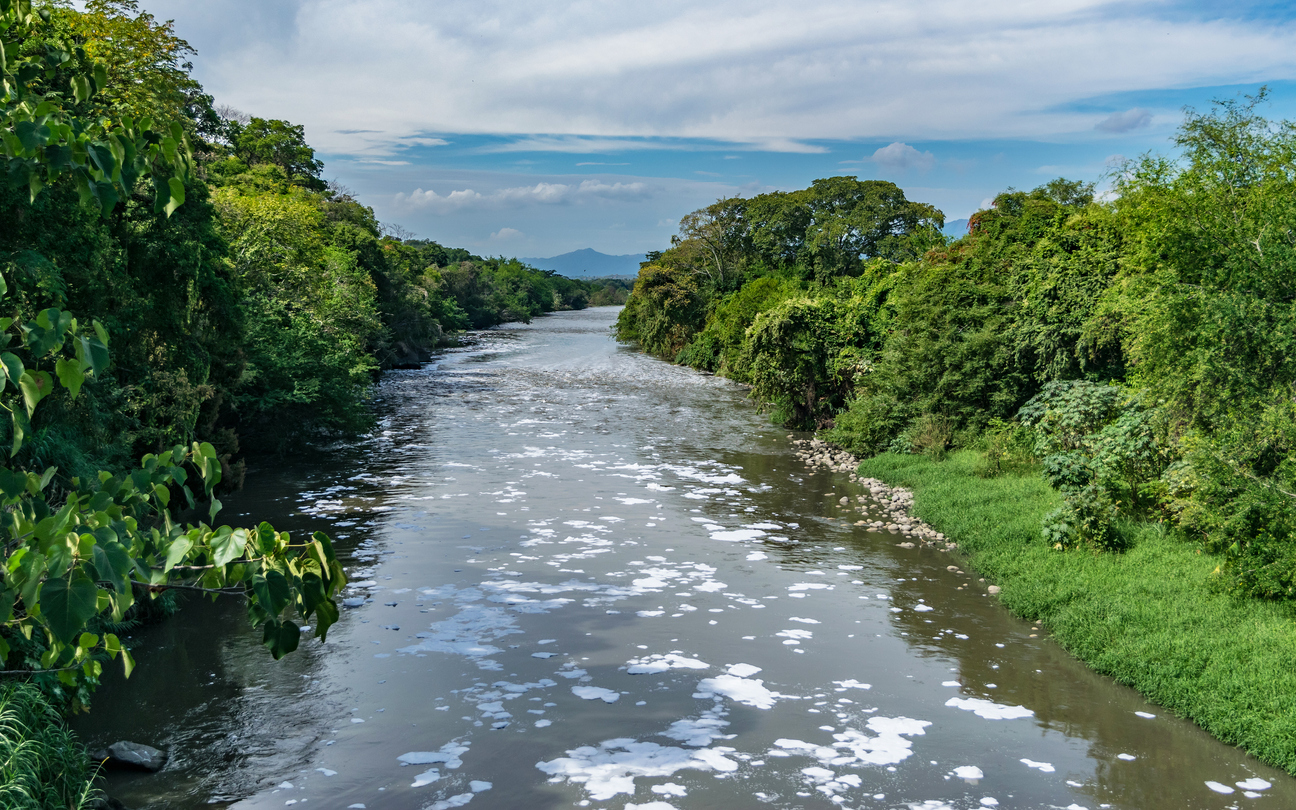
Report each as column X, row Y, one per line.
column 1067, row 411
column 930, row 435
column 1085, row 520
column 1006, row 447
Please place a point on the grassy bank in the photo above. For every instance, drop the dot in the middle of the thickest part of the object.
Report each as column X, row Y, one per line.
column 42, row 765
column 1147, row 617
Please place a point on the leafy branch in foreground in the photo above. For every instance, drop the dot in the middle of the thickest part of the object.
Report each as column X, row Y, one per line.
column 43, row 139
column 76, row 554
column 76, row 557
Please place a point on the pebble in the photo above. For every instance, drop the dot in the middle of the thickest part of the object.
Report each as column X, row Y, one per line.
column 891, row 504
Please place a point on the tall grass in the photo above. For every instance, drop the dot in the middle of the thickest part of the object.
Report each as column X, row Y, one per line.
column 1148, row 617
column 42, row 765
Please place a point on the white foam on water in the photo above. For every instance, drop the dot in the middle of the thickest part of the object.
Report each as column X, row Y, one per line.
column 633, row 501
column 652, row 664
column 854, row 747
column 851, row 683
column 701, row 731
column 449, row 754
column 810, row 586
column 596, row 693
column 969, row 772
column 669, row 789
column 803, row 621
column 649, row 614
column 1145, row 715
column 951, row 683
column 742, row 670
column 757, row 555
column 1126, row 757
column 651, row 806
column 989, row 801
column 426, row 778
column 454, row 801
column 477, row 786
column 1043, row 767
column 740, row 690
column 921, row 608
column 763, row 526
column 988, row 709
column 612, row 767
column 1254, row 783
column 1219, row 788
column 543, row 723
column 738, row 535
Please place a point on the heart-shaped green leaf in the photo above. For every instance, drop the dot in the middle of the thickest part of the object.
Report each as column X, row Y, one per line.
column 66, row 604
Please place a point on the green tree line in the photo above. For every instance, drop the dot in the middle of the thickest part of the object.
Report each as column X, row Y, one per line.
column 264, row 306
column 246, row 301
column 1136, row 351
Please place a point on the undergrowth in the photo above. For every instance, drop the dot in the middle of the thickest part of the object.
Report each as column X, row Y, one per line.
column 42, row 764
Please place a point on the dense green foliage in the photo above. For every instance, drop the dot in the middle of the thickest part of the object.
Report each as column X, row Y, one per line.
column 78, row 552
column 42, row 766
column 245, row 298
column 1138, row 352
column 258, row 313
column 1146, row 617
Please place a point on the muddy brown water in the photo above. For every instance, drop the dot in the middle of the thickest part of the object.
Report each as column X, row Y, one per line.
column 586, row 578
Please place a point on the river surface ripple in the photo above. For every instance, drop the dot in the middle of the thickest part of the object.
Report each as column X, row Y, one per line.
column 582, row 577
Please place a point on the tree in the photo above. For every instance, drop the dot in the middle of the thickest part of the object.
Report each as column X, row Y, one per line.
column 721, row 231
column 146, row 64
column 80, row 552
column 853, row 219
column 281, row 144
column 44, row 141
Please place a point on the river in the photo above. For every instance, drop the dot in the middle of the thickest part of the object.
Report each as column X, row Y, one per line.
column 582, row 577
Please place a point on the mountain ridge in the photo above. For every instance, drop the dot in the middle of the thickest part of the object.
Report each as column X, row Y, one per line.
column 588, row 263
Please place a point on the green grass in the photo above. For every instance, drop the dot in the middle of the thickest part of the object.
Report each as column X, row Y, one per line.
column 1147, row 617
column 42, row 765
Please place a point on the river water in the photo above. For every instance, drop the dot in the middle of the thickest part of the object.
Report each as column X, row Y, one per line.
column 582, row 577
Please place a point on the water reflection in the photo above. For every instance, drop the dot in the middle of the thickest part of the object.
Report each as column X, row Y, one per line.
column 582, row 576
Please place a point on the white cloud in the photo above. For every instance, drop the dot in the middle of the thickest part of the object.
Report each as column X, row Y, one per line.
column 901, row 156
column 781, row 76
column 1118, row 122
column 519, row 196
column 506, row 234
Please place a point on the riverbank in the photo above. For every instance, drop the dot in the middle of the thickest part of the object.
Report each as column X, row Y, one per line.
column 1148, row 617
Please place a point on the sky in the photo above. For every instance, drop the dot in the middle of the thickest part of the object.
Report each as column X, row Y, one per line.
column 536, row 128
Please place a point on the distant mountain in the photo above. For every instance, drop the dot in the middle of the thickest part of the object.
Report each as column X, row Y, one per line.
column 589, row 263
column 956, row 228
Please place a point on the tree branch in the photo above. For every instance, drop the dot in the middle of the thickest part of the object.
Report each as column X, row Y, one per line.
column 169, row 587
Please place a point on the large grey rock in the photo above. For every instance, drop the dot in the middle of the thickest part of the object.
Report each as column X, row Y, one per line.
column 133, row 755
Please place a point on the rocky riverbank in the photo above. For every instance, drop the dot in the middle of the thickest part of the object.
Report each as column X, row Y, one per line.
column 884, row 508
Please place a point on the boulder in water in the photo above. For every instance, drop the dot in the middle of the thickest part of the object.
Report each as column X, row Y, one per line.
column 132, row 756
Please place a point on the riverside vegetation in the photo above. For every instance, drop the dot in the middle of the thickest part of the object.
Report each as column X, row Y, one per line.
column 1096, row 400
column 246, row 300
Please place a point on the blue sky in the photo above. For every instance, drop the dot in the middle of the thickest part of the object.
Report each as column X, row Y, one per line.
column 538, row 128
